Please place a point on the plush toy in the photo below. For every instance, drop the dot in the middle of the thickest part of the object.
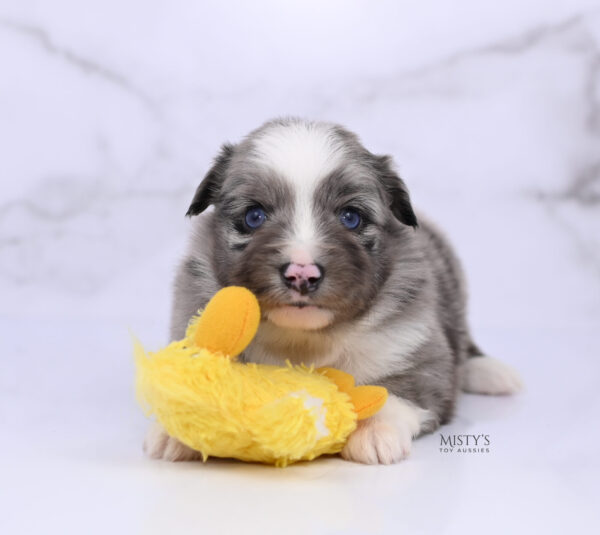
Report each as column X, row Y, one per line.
column 206, row 399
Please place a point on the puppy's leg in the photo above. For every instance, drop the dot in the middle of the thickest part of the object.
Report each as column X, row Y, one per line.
column 386, row 437
column 486, row 375
column 159, row 445
column 419, row 401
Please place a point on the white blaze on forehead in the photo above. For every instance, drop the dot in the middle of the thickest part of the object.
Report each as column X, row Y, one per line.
column 303, row 154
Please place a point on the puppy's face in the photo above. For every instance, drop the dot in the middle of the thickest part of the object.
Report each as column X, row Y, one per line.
column 305, row 217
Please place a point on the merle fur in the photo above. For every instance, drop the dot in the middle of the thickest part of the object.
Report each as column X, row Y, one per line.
column 389, row 271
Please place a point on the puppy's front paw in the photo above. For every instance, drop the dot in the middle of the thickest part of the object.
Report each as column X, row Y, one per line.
column 159, row 445
column 386, row 437
column 377, row 442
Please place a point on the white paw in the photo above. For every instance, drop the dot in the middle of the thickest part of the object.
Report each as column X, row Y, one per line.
column 386, row 437
column 159, row 445
column 376, row 442
column 487, row 375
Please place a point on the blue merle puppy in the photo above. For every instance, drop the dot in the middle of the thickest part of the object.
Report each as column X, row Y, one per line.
column 324, row 233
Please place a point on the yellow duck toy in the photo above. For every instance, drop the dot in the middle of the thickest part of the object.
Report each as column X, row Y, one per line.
column 220, row 407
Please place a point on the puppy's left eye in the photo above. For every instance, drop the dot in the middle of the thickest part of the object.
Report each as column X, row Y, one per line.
column 350, row 218
column 255, row 217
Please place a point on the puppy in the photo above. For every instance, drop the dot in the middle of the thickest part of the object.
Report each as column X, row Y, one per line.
column 324, row 233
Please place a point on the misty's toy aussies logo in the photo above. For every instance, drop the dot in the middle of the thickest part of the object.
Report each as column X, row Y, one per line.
column 465, row 443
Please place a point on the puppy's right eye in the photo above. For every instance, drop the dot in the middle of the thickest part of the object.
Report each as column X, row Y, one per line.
column 255, row 217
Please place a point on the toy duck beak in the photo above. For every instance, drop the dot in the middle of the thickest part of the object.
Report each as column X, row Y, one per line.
column 229, row 321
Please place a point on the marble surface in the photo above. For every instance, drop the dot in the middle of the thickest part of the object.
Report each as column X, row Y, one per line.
column 110, row 114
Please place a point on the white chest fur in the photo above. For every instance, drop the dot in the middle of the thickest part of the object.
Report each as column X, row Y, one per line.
column 364, row 349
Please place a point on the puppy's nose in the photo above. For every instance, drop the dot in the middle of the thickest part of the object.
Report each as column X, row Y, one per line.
column 304, row 278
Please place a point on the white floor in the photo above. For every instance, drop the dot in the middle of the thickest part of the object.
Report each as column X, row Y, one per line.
column 72, row 461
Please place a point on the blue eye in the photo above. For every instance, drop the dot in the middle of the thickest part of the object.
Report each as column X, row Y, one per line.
column 255, row 217
column 350, row 218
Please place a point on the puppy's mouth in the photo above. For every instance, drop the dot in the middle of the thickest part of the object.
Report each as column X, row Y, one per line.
column 301, row 315
column 302, row 304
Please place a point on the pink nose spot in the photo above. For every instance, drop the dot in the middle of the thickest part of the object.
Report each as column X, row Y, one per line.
column 300, row 271
column 303, row 278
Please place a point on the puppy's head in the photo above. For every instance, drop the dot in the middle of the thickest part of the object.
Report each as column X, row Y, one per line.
column 307, row 219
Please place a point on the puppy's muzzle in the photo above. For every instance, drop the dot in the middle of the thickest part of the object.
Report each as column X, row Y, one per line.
column 304, row 278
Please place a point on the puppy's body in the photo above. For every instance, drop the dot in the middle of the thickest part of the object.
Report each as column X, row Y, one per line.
column 388, row 302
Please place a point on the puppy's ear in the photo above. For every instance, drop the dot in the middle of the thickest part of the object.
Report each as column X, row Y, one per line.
column 396, row 191
column 207, row 191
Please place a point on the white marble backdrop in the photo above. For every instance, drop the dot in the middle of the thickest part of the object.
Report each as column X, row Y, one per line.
column 110, row 113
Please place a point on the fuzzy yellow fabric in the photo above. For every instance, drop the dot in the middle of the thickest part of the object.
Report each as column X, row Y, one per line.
column 223, row 408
